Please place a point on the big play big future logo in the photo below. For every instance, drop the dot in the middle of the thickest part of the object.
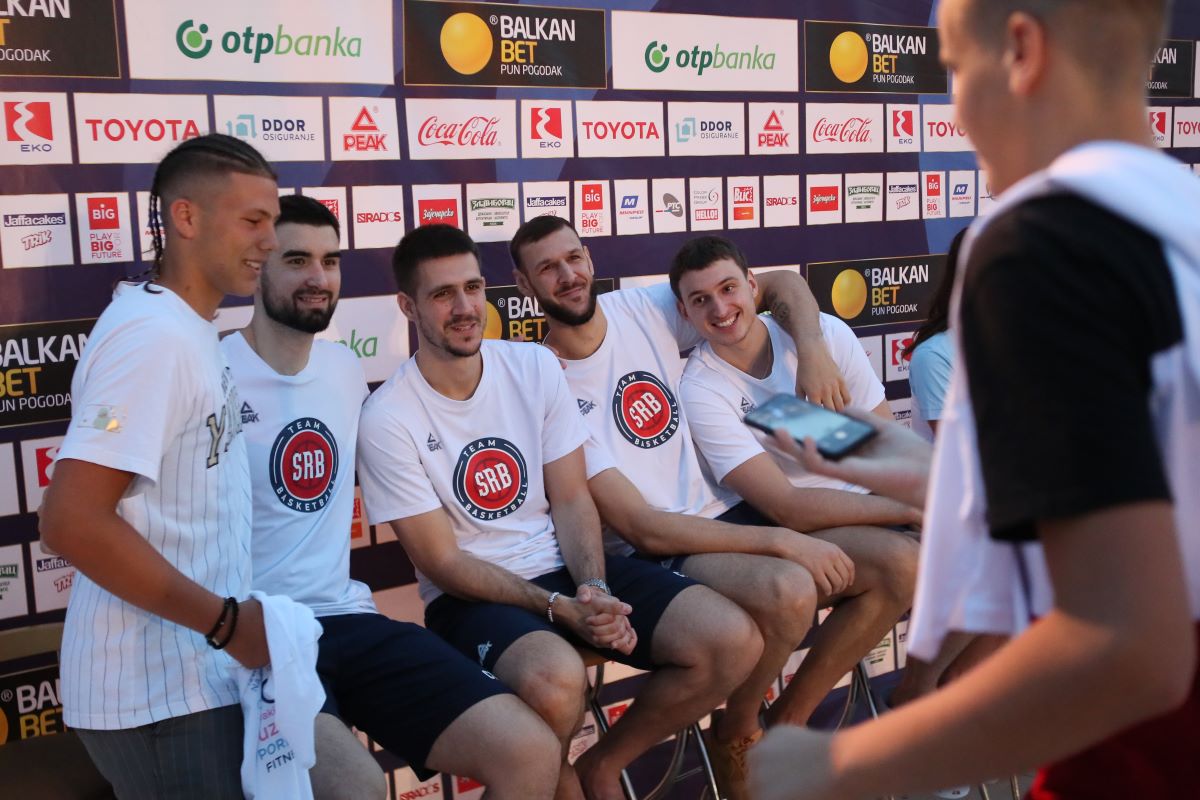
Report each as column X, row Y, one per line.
column 194, row 41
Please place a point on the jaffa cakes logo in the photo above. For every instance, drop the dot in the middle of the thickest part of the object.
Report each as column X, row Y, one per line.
column 303, row 465
column 862, row 57
column 502, row 44
column 645, row 410
column 490, row 478
column 196, row 41
column 58, row 38
column 877, row 291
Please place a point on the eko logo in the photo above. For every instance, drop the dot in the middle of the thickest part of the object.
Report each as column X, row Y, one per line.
column 193, row 41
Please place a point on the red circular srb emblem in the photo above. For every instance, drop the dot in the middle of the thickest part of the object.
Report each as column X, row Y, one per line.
column 304, row 464
column 493, row 479
column 645, row 410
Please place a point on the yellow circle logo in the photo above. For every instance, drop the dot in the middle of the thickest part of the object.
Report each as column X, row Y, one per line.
column 466, row 43
column 847, row 56
column 492, row 328
column 849, row 294
column 3, row 727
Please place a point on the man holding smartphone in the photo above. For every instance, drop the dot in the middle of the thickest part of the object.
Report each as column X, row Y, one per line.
column 1074, row 526
column 743, row 362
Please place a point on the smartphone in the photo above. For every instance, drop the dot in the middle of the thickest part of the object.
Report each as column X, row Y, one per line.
column 836, row 434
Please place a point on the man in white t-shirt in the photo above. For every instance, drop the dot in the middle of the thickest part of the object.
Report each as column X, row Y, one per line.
column 150, row 498
column 473, row 453
column 621, row 356
column 397, row 682
column 745, row 360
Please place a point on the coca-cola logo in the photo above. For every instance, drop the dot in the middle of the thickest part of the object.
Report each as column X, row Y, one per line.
column 852, row 129
column 477, row 131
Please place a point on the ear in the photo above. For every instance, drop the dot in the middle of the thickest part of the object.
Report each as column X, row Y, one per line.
column 1025, row 53
column 183, row 215
column 750, row 279
column 522, row 282
column 587, row 255
column 407, row 306
column 681, row 308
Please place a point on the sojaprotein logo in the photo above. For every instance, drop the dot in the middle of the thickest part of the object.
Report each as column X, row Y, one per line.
column 490, row 478
column 645, row 410
column 864, row 57
column 303, row 465
column 502, row 44
column 696, row 52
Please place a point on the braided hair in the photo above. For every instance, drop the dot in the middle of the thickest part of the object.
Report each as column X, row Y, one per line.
column 213, row 154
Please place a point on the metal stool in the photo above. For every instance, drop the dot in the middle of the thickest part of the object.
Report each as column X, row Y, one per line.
column 674, row 772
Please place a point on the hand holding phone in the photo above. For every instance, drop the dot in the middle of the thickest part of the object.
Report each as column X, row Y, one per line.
column 835, row 434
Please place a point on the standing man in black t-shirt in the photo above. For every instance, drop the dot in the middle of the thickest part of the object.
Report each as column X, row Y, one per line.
column 1065, row 487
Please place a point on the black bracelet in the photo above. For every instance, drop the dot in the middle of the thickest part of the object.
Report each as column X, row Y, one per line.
column 229, row 615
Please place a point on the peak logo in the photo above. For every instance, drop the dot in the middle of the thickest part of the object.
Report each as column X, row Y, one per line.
column 362, row 129
column 365, row 135
column 863, row 57
column 502, row 44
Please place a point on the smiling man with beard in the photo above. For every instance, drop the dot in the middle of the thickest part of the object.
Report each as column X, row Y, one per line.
column 400, row 684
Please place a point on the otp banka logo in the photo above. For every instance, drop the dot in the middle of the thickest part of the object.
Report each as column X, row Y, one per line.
column 193, row 41
column 490, row 478
column 303, row 465
column 658, row 58
column 645, row 410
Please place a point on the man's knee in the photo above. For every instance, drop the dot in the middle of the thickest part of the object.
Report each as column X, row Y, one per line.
column 898, row 566
column 715, row 635
column 787, row 602
column 554, row 688
column 344, row 768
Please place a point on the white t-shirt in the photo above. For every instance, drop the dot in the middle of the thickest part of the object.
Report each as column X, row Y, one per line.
column 480, row 459
column 717, row 395
column 301, row 432
column 152, row 396
column 627, row 392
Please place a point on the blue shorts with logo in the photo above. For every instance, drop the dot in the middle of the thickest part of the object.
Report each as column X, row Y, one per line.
column 483, row 631
column 397, row 682
column 741, row 514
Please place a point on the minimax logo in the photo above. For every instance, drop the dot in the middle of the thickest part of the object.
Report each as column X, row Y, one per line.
column 193, row 41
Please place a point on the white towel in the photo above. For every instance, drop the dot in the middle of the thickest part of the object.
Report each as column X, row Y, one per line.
column 967, row 581
column 280, row 703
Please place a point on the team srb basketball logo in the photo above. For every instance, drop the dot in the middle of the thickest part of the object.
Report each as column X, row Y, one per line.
column 490, row 478
column 645, row 410
column 303, row 464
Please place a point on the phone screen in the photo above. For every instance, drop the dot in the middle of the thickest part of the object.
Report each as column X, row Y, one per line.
column 835, row 434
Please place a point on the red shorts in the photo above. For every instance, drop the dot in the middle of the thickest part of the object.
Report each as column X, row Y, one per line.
column 1156, row 759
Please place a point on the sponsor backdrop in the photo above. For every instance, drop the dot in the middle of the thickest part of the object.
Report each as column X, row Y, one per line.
column 819, row 135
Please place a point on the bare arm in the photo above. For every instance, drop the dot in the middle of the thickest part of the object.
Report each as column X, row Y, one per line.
column 786, row 295
column 1121, row 618
column 79, row 521
column 762, row 483
column 576, row 522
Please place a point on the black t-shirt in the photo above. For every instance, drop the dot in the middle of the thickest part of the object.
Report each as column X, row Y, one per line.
column 1064, row 305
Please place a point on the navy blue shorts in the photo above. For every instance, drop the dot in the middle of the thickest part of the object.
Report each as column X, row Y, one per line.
column 485, row 630
column 741, row 514
column 397, row 682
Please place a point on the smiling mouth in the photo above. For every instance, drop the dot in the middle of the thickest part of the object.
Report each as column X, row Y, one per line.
column 463, row 326
column 572, row 292
column 727, row 323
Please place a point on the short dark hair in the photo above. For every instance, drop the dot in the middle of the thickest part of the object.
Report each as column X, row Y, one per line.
column 426, row 243
column 702, row 252
column 298, row 209
column 1107, row 35
column 199, row 157
column 534, row 231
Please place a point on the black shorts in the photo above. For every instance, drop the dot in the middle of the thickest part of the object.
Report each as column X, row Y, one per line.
column 741, row 514
column 397, row 682
column 485, row 630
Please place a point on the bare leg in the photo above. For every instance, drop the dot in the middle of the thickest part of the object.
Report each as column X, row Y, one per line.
column 546, row 672
column 504, row 745
column 706, row 647
column 344, row 769
column 781, row 598
column 885, row 567
column 922, row 677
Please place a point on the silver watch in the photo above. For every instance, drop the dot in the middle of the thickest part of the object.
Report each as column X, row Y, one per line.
column 598, row 583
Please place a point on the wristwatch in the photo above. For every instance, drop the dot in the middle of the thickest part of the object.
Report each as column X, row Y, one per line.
column 598, row 583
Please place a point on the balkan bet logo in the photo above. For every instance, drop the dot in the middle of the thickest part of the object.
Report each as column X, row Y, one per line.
column 490, row 478
column 364, row 134
column 303, row 465
column 28, row 122
column 645, row 410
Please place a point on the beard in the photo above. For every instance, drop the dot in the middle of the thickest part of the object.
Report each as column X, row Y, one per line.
column 285, row 310
column 560, row 313
column 440, row 340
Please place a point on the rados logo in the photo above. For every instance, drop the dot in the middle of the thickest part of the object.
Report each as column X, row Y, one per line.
column 303, row 465
column 862, row 57
column 877, row 291
column 645, row 410
column 491, row 479
column 501, row 44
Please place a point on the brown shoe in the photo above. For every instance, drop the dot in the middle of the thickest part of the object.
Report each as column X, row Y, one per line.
column 729, row 762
